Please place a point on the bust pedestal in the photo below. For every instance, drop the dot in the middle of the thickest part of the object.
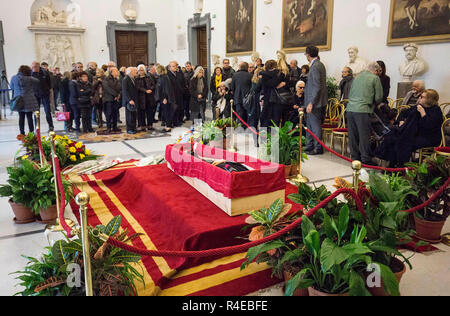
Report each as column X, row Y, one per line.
column 403, row 88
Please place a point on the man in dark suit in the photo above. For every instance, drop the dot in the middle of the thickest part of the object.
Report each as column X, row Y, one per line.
column 130, row 99
column 176, row 78
column 241, row 85
column 316, row 99
column 43, row 94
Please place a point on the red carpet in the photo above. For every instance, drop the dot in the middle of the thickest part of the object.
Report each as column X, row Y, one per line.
column 174, row 216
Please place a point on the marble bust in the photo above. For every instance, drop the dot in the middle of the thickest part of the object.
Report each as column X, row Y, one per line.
column 255, row 57
column 413, row 66
column 235, row 63
column 130, row 13
column 356, row 63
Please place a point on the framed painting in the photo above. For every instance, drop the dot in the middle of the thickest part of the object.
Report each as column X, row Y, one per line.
column 419, row 21
column 305, row 23
column 240, row 27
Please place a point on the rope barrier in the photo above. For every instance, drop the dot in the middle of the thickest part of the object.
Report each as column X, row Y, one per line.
column 251, row 129
column 41, row 150
column 62, row 208
column 240, row 248
column 431, row 200
column 349, row 160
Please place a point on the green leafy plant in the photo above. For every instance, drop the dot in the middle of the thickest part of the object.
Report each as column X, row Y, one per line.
column 426, row 179
column 216, row 130
column 288, row 142
column 333, row 87
column 33, row 186
column 114, row 271
column 338, row 258
column 281, row 254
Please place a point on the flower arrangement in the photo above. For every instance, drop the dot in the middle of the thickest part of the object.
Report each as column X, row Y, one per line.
column 69, row 152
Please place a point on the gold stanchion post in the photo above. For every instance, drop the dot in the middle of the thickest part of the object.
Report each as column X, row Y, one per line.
column 356, row 166
column 56, row 227
column 38, row 127
column 300, row 178
column 82, row 200
column 232, row 144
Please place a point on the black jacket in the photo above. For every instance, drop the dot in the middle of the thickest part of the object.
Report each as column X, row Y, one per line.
column 270, row 81
column 84, row 93
column 227, row 73
column 129, row 92
column 193, row 89
column 111, row 89
column 241, row 85
column 45, row 82
column 178, row 85
column 143, row 84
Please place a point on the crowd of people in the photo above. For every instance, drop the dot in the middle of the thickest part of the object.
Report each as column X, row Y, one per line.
column 262, row 95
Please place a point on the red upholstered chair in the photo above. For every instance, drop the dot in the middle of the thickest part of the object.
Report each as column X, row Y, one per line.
column 341, row 131
column 331, row 118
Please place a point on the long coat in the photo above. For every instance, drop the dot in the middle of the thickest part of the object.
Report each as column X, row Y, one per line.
column 241, row 85
column 26, row 86
column 143, row 84
column 129, row 92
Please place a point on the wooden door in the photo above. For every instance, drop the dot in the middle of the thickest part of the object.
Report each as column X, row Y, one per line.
column 202, row 48
column 132, row 47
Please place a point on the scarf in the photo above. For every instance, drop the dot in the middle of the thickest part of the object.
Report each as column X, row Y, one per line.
column 218, row 80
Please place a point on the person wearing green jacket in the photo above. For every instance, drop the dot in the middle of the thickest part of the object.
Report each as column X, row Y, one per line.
column 366, row 93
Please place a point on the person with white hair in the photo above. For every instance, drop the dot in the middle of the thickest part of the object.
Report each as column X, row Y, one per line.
column 130, row 99
column 199, row 92
column 365, row 94
column 412, row 97
column 147, row 104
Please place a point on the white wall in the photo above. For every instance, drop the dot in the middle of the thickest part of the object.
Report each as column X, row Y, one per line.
column 171, row 18
column 349, row 28
column 19, row 41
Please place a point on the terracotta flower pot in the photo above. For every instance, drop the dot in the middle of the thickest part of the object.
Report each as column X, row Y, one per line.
column 313, row 292
column 49, row 215
column 298, row 292
column 429, row 231
column 294, row 170
column 24, row 215
column 287, row 171
column 399, row 269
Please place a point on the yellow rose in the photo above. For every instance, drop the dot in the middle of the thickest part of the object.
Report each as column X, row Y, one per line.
column 70, row 142
column 88, row 152
column 73, row 158
column 82, row 156
column 72, row 150
column 79, row 145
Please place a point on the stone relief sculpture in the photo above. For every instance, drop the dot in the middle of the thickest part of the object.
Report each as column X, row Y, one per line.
column 356, row 63
column 413, row 66
column 58, row 51
column 47, row 15
column 130, row 10
column 235, row 63
column 216, row 60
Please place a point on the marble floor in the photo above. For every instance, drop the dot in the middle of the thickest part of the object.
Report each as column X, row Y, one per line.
column 430, row 276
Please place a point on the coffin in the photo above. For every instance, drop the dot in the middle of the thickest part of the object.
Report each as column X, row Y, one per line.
column 236, row 193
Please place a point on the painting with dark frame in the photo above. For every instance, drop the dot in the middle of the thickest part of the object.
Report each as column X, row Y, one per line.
column 241, row 25
column 420, row 21
column 307, row 22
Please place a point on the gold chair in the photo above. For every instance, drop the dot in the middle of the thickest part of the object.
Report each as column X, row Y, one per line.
column 331, row 119
column 443, row 149
column 445, row 107
column 391, row 102
column 397, row 103
column 341, row 131
column 401, row 109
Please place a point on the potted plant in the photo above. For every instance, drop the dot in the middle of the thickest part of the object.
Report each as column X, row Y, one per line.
column 284, row 255
column 427, row 179
column 112, row 270
column 215, row 132
column 287, row 139
column 20, row 191
column 338, row 258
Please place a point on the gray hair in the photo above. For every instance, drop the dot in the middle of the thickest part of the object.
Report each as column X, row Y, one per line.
column 374, row 66
column 197, row 71
column 294, row 61
column 129, row 70
column 299, row 83
column 421, row 84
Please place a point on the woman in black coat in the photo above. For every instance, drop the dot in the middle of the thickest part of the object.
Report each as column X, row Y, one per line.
column 420, row 129
column 199, row 93
column 147, row 105
column 271, row 80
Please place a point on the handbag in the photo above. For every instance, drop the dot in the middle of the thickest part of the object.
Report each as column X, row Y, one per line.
column 285, row 97
column 248, row 101
column 63, row 116
column 17, row 104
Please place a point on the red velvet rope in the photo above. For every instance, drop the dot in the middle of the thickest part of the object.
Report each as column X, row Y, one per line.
column 349, row 160
column 41, row 150
column 431, row 200
column 240, row 248
column 62, row 208
column 250, row 128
